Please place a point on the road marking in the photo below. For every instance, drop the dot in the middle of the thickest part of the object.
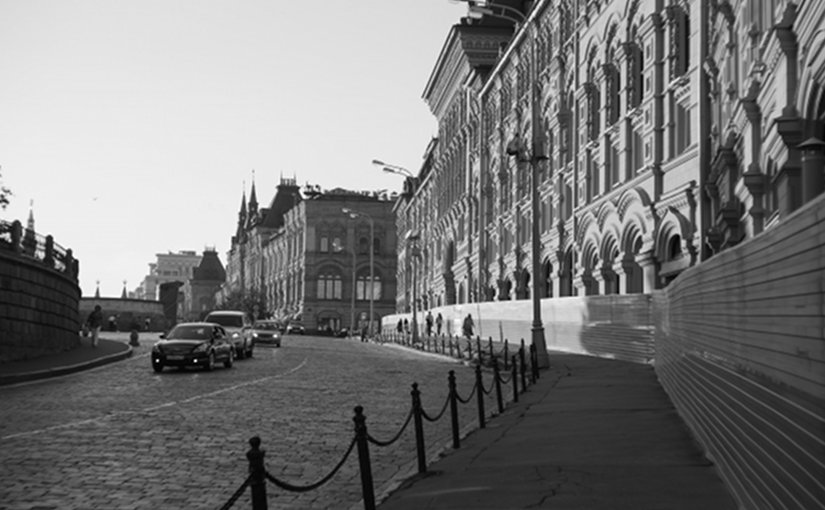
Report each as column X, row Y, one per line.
column 157, row 407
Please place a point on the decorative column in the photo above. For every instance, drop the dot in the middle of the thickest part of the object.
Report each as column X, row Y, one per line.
column 649, row 266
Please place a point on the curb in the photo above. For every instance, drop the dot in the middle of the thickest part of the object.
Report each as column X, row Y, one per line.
column 64, row 370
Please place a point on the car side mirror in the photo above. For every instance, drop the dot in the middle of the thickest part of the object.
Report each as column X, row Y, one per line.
column 162, row 336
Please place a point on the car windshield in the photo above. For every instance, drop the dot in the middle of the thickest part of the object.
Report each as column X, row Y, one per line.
column 266, row 325
column 232, row 321
column 185, row 332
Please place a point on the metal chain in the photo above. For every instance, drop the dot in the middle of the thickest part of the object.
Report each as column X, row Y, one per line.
column 306, row 488
column 398, row 435
column 237, row 493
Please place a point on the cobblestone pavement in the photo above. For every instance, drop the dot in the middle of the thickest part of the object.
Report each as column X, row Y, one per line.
column 123, row 437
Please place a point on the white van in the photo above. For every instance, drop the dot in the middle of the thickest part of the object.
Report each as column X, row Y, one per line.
column 238, row 326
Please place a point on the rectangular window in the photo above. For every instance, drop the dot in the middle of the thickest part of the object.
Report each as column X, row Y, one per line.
column 324, row 244
column 682, row 118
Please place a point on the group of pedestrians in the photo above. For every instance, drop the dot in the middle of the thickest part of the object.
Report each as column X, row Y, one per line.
column 403, row 325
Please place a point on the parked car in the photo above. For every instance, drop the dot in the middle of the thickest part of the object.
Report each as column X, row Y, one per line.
column 238, row 325
column 267, row 332
column 199, row 344
column 295, row 328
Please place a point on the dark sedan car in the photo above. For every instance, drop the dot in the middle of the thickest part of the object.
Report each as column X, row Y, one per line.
column 267, row 332
column 193, row 344
column 295, row 328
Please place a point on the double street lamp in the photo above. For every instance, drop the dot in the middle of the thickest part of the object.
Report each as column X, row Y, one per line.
column 353, row 215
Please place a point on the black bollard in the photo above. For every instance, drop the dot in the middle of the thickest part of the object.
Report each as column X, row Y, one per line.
column 497, row 376
column 367, row 491
column 506, row 354
column 480, row 397
column 442, row 347
column 490, row 349
column 257, row 472
column 419, row 429
column 454, row 409
column 523, row 370
column 451, row 347
column 469, row 349
column 534, row 366
column 514, row 376
column 478, row 349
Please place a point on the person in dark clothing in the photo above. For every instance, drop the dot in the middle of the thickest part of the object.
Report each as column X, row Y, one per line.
column 429, row 321
column 94, row 322
column 467, row 327
column 439, row 321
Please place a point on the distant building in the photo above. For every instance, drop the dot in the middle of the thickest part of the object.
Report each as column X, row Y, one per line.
column 299, row 255
column 169, row 267
column 200, row 290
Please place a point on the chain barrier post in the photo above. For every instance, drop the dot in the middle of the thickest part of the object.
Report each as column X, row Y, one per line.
column 534, row 364
column 442, row 347
column 480, row 397
column 469, row 349
column 523, row 367
column 419, row 429
column 506, row 353
column 478, row 349
column 255, row 456
column 367, row 491
column 454, row 409
column 497, row 379
column 514, row 376
column 451, row 347
column 490, row 348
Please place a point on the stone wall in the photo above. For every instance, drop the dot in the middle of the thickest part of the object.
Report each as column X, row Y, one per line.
column 38, row 309
column 740, row 349
column 125, row 311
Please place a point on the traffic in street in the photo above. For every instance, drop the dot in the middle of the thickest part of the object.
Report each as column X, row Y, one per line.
column 124, row 436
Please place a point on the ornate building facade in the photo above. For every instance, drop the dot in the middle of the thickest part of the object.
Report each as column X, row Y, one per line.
column 311, row 260
column 659, row 132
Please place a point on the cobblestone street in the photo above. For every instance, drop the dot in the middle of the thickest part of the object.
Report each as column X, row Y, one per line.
column 121, row 436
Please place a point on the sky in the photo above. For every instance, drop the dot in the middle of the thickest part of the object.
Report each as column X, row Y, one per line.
column 132, row 128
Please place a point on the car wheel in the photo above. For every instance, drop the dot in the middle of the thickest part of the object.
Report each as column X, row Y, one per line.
column 210, row 362
column 157, row 367
column 230, row 359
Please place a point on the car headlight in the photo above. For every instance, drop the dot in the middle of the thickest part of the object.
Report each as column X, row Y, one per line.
column 201, row 348
column 236, row 335
column 254, row 335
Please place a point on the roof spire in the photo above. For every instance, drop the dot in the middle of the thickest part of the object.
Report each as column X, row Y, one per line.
column 30, row 224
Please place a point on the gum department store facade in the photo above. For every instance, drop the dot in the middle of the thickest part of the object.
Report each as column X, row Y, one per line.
column 664, row 131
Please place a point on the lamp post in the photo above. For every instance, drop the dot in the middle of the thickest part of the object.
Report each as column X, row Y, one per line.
column 352, row 299
column 393, row 169
column 355, row 214
column 412, row 247
column 534, row 156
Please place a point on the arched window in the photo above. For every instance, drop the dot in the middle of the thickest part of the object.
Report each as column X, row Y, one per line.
column 362, row 287
column 376, row 246
column 363, row 245
column 329, row 284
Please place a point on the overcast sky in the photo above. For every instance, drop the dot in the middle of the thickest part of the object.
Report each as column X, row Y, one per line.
column 133, row 125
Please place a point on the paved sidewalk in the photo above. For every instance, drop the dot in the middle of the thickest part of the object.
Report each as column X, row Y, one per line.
column 591, row 434
column 67, row 362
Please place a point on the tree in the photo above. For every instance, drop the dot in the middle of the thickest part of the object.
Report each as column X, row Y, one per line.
column 252, row 301
column 5, row 193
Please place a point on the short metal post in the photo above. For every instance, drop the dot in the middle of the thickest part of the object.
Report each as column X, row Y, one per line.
column 367, row 491
column 532, row 363
column 490, row 348
column 419, row 429
column 469, row 349
column 497, row 376
column 451, row 347
column 514, row 376
column 257, row 471
column 506, row 353
column 523, row 369
column 442, row 347
column 480, row 397
column 478, row 349
column 454, row 409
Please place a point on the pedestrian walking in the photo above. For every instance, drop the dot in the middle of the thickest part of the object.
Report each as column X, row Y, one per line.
column 147, row 322
column 439, row 321
column 429, row 320
column 94, row 322
column 406, row 326
column 467, row 327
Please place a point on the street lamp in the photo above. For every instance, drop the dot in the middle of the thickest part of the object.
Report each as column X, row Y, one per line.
column 352, row 299
column 393, row 169
column 355, row 214
column 412, row 248
column 534, row 157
